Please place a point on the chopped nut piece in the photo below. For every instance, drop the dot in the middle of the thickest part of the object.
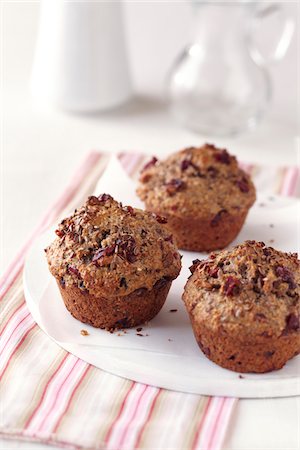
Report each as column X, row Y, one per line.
column 175, row 185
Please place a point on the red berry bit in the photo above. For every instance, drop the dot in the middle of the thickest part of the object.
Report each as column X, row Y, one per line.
column 243, row 185
column 292, row 322
column 104, row 198
column 93, row 201
column 130, row 210
column 215, row 221
column 160, row 219
column 286, row 276
column 149, row 164
column 101, row 252
column 126, row 248
column 74, row 271
column 260, row 317
column 214, row 271
column 60, row 233
column 212, row 171
column 174, row 185
column 232, row 286
column 223, row 157
column 185, row 164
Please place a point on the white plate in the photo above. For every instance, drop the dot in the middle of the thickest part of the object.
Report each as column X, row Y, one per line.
column 169, row 356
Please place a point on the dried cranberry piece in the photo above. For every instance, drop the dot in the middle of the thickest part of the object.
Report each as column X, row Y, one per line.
column 215, row 221
column 150, row 163
column 160, row 219
column 213, row 272
column 185, row 164
column 195, row 264
column 269, row 354
column 106, row 251
column 213, row 172
column 122, row 323
column 292, row 322
column 243, row 184
column 174, row 185
column 74, row 271
column 266, row 251
column 60, row 233
column 206, row 350
column 260, row 317
column 160, row 284
column 169, row 238
column 223, row 157
column 286, row 276
column 127, row 249
column 92, row 200
column 104, row 197
column 130, row 210
column 232, row 286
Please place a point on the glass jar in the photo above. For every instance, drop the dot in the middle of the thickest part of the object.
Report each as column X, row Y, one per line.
column 220, row 84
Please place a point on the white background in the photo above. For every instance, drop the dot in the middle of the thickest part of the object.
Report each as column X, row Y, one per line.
column 39, row 150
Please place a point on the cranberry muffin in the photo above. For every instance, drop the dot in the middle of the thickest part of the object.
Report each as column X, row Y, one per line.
column 244, row 307
column 113, row 264
column 202, row 192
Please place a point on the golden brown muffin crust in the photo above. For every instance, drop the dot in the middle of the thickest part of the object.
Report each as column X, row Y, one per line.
column 250, row 292
column 195, row 182
column 111, row 249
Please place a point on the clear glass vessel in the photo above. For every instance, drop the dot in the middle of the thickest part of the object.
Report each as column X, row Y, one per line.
column 220, row 84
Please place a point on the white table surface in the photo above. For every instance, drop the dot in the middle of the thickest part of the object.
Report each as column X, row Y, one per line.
column 40, row 150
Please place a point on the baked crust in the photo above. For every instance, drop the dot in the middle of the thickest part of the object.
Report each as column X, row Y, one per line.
column 105, row 254
column 244, row 307
column 202, row 192
column 125, row 311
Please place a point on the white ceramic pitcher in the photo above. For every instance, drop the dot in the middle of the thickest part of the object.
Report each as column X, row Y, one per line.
column 80, row 62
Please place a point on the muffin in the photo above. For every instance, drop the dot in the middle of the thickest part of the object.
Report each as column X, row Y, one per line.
column 113, row 264
column 202, row 192
column 244, row 307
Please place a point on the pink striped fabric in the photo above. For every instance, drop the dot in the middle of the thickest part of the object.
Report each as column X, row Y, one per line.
column 290, row 181
column 128, row 414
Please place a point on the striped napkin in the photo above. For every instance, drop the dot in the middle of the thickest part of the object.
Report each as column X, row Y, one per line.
column 51, row 396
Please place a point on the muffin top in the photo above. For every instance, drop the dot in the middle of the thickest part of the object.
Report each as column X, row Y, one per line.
column 112, row 250
column 196, row 181
column 248, row 291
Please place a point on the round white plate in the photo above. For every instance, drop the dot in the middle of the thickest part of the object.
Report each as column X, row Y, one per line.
column 167, row 354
